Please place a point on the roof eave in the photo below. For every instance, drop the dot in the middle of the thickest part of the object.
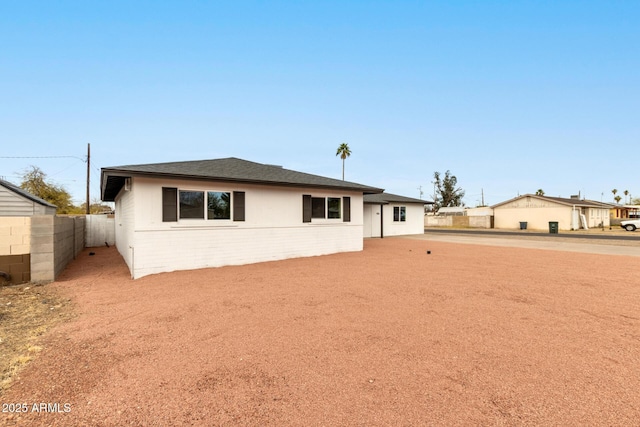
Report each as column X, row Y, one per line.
column 109, row 172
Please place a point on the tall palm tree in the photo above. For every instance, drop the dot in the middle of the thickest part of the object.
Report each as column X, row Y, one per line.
column 626, row 193
column 343, row 152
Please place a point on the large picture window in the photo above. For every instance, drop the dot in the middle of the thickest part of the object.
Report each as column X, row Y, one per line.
column 326, row 207
column 213, row 205
column 218, row 205
column 191, row 204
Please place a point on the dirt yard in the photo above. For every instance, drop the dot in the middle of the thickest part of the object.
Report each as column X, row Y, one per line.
column 466, row 335
column 26, row 313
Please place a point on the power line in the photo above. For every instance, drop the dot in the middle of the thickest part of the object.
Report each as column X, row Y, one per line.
column 43, row 157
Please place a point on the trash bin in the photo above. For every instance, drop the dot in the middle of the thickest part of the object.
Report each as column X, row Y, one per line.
column 523, row 225
column 553, row 227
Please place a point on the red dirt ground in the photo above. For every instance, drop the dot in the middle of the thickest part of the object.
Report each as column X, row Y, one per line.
column 468, row 335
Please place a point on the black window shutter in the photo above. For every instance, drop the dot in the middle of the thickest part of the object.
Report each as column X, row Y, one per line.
column 169, row 204
column 306, row 208
column 346, row 209
column 238, row 205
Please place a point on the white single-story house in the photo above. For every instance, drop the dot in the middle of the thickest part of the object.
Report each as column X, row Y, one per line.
column 211, row 213
column 14, row 201
column 537, row 211
column 392, row 215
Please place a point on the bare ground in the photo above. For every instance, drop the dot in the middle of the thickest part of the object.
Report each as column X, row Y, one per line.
column 26, row 313
column 466, row 335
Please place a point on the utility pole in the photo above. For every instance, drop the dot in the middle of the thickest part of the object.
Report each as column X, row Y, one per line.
column 88, row 211
column 421, row 192
column 482, row 191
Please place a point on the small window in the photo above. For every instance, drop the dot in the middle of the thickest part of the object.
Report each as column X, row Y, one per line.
column 191, row 204
column 317, row 207
column 218, row 205
column 169, row 204
column 399, row 213
column 306, row 208
column 333, row 203
column 346, row 209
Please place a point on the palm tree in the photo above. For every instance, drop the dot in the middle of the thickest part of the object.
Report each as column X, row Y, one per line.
column 540, row 192
column 617, row 199
column 626, row 193
column 343, row 152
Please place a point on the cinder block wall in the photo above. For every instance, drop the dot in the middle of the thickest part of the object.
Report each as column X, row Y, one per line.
column 15, row 235
column 55, row 241
column 42, row 266
column 15, row 240
column 68, row 240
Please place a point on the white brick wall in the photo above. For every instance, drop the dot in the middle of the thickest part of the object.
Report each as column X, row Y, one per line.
column 273, row 228
column 124, row 219
column 186, row 249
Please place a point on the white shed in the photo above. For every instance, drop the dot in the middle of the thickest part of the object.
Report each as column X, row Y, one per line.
column 14, row 201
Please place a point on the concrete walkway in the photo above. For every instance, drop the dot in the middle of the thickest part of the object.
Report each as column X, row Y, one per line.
column 550, row 243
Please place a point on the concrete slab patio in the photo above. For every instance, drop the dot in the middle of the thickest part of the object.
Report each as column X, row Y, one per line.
column 465, row 335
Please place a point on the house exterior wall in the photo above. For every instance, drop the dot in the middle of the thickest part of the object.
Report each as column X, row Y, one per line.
column 414, row 223
column 124, row 225
column 536, row 218
column 272, row 230
column 538, row 213
column 597, row 217
column 12, row 204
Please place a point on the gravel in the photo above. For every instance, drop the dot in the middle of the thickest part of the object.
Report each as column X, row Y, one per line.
column 465, row 335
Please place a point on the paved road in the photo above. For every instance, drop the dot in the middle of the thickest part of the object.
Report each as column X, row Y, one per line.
column 605, row 245
column 593, row 234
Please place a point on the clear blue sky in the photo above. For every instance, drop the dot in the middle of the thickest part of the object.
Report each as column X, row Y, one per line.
column 510, row 96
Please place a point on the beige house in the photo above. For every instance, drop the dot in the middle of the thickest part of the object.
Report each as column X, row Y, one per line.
column 538, row 211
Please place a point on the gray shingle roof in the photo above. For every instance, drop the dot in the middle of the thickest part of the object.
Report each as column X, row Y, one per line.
column 561, row 200
column 25, row 193
column 228, row 169
column 386, row 198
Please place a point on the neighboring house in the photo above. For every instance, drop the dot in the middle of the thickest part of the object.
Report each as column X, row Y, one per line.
column 538, row 211
column 392, row 215
column 210, row 213
column 621, row 212
column 14, row 201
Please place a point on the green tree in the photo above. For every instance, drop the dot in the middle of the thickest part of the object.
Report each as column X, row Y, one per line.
column 617, row 199
column 446, row 193
column 343, row 152
column 34, row 180
column 540, row 192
